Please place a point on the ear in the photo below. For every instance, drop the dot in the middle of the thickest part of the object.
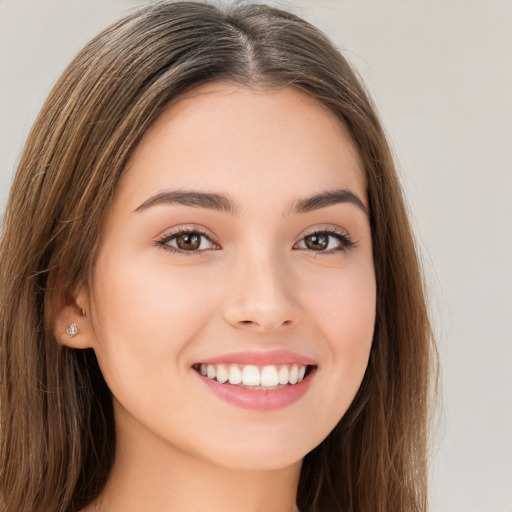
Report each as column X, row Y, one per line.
column 71, row 325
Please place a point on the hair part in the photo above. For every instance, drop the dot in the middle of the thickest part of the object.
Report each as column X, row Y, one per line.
column 56, row 418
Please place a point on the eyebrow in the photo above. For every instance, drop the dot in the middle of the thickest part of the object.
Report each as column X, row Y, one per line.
column 190, row 198
column 224, row 204
column 325, row 199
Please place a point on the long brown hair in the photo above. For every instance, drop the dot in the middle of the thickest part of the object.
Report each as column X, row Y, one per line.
column 57, row 435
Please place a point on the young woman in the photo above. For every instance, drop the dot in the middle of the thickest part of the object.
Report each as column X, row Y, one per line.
column 210, row 295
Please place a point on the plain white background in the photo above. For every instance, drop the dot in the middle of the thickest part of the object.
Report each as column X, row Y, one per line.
column 441, row 75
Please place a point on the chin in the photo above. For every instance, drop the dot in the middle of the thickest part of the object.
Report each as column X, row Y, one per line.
column 260, row 462
column 265, row 450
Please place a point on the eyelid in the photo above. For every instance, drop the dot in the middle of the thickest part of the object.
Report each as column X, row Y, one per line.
column 163, row 240
column 346, row 243
column 342, row 235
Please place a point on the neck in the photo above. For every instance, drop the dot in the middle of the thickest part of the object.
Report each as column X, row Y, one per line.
column 149, row 474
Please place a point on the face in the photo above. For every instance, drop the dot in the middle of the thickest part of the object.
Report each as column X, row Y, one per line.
column 232, row 305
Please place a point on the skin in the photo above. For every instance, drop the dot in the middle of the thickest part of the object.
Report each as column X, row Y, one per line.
column 152, row 313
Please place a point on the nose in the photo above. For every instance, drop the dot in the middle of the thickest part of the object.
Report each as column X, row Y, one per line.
column 261, row 296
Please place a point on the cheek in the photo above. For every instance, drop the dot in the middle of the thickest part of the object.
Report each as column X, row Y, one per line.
column 353, row 324
column 345, row 316
column 344, row 305
column 145, row 315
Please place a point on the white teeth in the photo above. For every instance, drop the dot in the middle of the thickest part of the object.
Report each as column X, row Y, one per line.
column 267, row 377
column 284, row 375
column 222, row 374
column 235, row 374
column 251, row 376
column 210, row 371
column 294, row 374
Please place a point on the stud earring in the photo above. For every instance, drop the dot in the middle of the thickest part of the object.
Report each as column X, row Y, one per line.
column 72, row 330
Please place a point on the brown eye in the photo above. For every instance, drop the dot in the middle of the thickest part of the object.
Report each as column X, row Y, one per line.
column 318, row 242
column 188, row 241
column 327, row 242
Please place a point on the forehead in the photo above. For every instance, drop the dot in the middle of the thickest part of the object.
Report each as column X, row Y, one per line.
column 227, row 135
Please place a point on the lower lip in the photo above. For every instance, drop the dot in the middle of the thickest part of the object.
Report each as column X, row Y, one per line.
column 256, row 399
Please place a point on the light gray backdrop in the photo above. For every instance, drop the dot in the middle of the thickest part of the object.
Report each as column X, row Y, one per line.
column 441, row 74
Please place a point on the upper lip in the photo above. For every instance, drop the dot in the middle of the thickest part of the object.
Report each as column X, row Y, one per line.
column 261, row 358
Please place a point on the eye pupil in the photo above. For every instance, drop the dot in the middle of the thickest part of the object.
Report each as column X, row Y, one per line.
column 188, row 241
column 317, row 242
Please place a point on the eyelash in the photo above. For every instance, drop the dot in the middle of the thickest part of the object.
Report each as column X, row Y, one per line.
column 346, row 242
column 164, row 241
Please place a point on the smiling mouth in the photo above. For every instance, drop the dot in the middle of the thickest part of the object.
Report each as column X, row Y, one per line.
column 268, row 377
